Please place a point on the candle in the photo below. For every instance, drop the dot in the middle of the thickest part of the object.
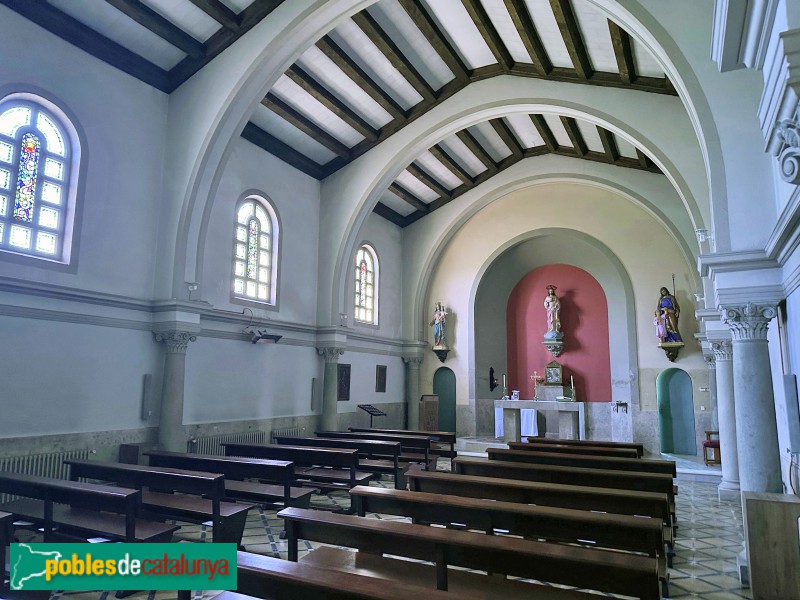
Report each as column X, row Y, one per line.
column 572, row 384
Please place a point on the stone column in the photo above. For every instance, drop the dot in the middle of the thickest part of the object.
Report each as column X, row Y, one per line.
column 729, row 488
column 756, row 426
column 412, row 390
column 711, row 363
column 330, row 413
column 171, row 432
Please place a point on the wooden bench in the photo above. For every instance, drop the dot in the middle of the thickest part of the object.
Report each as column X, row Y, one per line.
column 641, row 465
column 606, row 444
column 588, row 450
column 438, row 438
column 330, row 468
column 416, row 448
column 589, row 568
column 199, row 497
column 373, row 456
column 599, row 530
column 279, row 474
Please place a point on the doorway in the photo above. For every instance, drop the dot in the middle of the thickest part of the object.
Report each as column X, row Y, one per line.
column 444, row 386
column 676, row 412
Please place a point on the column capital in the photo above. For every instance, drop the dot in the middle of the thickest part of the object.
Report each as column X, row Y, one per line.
column 331, row 354
column 748, row 321
column 711, row 360
column 788, row 132
column 176, row 342
column 723, row 350
column 413, row 361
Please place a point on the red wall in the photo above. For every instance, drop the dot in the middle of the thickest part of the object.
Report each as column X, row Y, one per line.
column 584, row 321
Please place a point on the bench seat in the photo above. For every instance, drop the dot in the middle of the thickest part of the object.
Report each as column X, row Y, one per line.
column 269, row 492
column 336, row 478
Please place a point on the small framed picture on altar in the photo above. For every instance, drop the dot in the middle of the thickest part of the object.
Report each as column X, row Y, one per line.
column 515, row 395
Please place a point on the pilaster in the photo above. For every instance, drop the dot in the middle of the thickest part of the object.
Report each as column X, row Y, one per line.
column 413, row 364
column 330, row 417
column 726, row 410
column 171, row 431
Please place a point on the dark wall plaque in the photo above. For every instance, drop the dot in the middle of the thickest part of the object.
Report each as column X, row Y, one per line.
column 380, row 378
column 343, row 383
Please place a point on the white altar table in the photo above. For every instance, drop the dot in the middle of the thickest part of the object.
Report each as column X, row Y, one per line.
column 568, row 414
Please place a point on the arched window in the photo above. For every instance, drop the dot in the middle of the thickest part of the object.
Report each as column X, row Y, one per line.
column 36, row 165
column 366, row 286
column 254, row 268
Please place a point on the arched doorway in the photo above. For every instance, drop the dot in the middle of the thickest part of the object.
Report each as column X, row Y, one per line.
column 444, row 386
column 676, row 412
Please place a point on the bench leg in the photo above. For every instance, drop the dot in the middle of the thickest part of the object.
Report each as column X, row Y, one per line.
column 231, row 529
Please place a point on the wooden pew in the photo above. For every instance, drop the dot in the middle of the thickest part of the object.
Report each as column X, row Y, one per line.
column 331, row 468
column 440, row 438
column 199, row 498
column 606, row 444
column 598, row 530
column 589, row 568
column 587, row 450
column 236, row 470
column 416, row 448
column 641, row 465
column 72, row 511
column 373, row 456
column 6, row 537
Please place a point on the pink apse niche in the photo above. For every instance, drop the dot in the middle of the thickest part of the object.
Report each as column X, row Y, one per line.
column 584, row 321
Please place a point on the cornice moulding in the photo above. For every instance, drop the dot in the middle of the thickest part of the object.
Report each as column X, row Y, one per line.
column 710, row 265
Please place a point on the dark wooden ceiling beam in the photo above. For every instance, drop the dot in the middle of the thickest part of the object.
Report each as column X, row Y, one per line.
column 544, row 132
column 623, row 50
column 436, row 38
column 219, row 12
column 444, row 158
column 571, row 32
column 306, row 125
column 427, row 179
column 297, row 74
column 575, row 135
column 409, row 197
column 475, row 147
column 269, row 143
column 162, row 27
column 384, row 43
column 389, row 214
column 530, row 37
column 508, row 137
column 489, row 33
column 332, row 50
column 609, row 144
column 644, row 162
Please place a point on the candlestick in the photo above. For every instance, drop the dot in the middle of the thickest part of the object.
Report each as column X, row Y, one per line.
column 572, row 384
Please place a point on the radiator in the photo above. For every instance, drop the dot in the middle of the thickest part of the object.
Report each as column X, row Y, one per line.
column 287, row 432
column 46, row 465
column 212, row 444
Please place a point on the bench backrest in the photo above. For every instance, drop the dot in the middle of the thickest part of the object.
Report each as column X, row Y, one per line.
column 446, row 437
column 626, row 502
column 635, row 445
column 364, row 447
column 587, row 450
column 600, row 570
column 408, row 442
column 626, row 480
column 299, row 455
column 578, row 460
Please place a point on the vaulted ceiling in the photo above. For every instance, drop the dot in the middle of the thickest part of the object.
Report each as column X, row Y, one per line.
column 380, row 70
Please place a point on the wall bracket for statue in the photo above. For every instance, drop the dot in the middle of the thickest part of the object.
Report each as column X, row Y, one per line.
column 554, row 337
column 671, row 349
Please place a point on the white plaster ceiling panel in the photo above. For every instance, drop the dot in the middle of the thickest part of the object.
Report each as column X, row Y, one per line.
column 459, row 29
column 547, row 28
column 332, row 77
column 360, row 48
column 237, row 6
column 555, row 125
column 459, row 152
column 646, row 64
column 590, row 135
column 596, row 36
column 524, row 130
column 498, row 15
column 625, row 147
column 299, row 99
column 398, row 205
column 116, row 26
column 290, row 135
column 490, row 140
column 435, row 168
column 400, row 28
column 416, row 187
column 186, row 16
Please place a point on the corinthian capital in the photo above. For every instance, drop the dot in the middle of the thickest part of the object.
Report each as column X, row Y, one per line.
column 748, row 322
column 176, row 342
column 331, row 354
column 413, row 361
column 723, row 350
column 789, row 133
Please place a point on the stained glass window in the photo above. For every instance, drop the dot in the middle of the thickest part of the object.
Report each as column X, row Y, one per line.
column 366, row 297
column 34, row 169
column 253, row 274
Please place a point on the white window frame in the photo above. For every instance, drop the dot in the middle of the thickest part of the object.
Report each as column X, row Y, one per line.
column 361, row 311
column 240, row 278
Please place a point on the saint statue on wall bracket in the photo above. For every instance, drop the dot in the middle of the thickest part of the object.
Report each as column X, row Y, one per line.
column 553, row 337
column 440, row 347
column 665, row 320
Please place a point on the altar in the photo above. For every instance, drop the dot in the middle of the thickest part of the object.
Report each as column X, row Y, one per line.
column 571, row 417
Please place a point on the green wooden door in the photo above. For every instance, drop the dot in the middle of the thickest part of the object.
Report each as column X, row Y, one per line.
column 444, row 386
column 676, row 412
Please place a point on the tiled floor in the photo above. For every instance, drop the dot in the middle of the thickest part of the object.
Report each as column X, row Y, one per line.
column 709, row 538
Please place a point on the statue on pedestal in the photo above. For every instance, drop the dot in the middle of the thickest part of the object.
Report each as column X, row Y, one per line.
column 553, row 338
column 440, row 347
column 666, row 321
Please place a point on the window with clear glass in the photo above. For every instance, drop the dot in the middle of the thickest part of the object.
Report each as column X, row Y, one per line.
column 366, row 287
column 253, row 262
column 34, row 181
